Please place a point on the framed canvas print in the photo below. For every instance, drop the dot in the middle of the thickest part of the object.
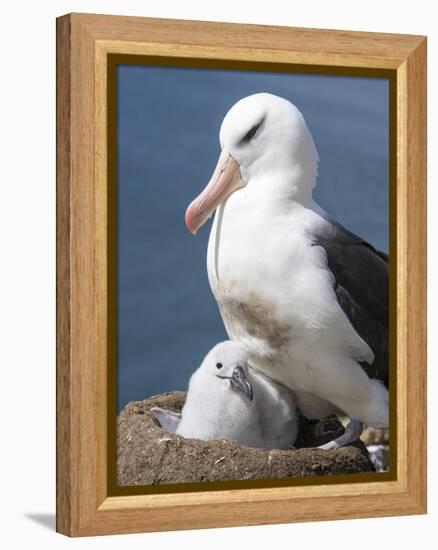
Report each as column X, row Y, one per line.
column 241, row 232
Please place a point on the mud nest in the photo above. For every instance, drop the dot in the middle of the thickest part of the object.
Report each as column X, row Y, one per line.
column 147, row 455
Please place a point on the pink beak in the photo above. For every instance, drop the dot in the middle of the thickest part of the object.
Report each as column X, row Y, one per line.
column 225, row 180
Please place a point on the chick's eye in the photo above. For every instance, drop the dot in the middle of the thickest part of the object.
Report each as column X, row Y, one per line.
column 219, row 365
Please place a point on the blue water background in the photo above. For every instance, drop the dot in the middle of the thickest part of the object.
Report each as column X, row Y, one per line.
column 168, row 121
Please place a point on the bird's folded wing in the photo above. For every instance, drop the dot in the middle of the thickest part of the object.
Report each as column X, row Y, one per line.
column 361, row 285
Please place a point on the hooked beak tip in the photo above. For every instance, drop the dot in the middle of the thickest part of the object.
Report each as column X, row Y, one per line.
column 189, row 221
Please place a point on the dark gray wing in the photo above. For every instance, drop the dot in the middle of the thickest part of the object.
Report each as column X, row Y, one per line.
column 361, row 284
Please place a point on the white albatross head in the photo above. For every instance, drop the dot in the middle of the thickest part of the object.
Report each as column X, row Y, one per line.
column 225, row 365
column 263, row 138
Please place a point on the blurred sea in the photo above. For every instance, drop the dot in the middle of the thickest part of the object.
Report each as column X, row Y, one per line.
column 168, row 123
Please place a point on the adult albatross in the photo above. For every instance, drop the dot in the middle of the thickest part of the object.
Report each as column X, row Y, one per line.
column 308, row 298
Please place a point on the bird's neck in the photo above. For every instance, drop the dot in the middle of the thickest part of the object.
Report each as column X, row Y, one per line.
column 280, row 189
column 280, row 176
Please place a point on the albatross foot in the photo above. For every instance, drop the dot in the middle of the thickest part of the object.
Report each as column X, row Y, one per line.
column 352, row 432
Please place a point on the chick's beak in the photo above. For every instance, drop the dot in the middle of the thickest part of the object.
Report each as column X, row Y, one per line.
column 240, row 382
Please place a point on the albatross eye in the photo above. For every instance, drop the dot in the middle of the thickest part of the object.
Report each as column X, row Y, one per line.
column 252, row 132
column 219, row 365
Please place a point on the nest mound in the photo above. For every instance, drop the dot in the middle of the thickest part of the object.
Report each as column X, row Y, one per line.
column 147, row 455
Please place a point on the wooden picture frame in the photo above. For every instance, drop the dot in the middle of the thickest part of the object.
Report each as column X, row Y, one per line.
column 86, row 44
